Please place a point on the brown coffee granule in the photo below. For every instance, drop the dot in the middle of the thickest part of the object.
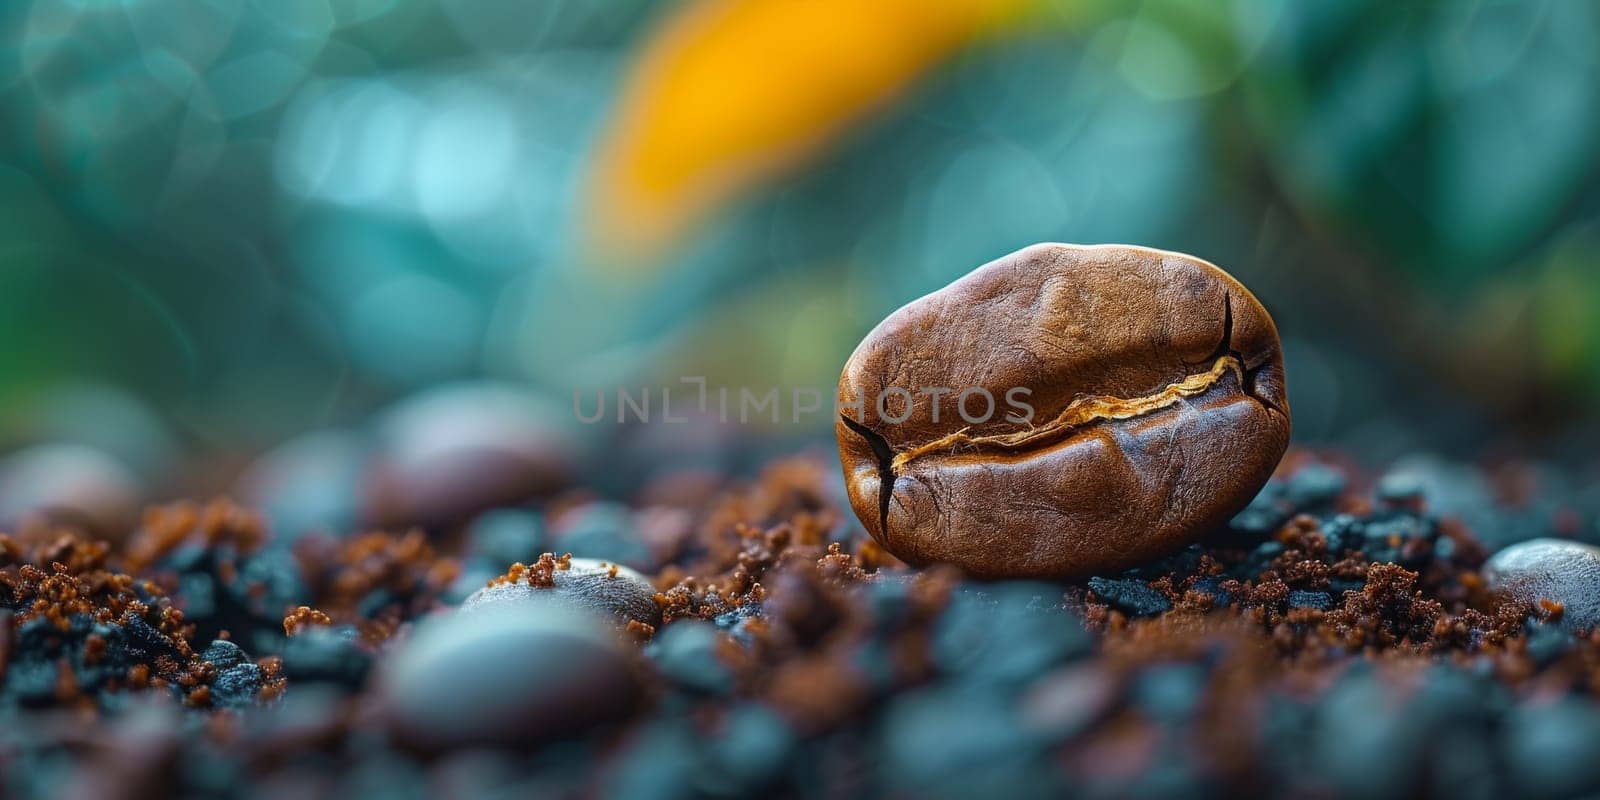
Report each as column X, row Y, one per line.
column 303, row 618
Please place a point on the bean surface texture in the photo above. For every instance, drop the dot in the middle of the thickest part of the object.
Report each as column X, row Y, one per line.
column 1061, row 411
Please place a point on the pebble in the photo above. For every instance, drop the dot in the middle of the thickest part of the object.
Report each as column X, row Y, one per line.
column 99, row 415
column 309, row 483
column 238, row 680
column 753, row 746
column 1550, row 748
column 69, row 483
column 1068, row 701
column 1132, row 597
column 1321, row 601
column 451, row 452
column 608, row 590
column 994, row 754
column 505, row 536
column 1006, row 633
column 1401, row 487
column 686, row 653
column 507, row 676
column 327, row 655
column 602, row 530
column 1564, row 571
column 1169, row 693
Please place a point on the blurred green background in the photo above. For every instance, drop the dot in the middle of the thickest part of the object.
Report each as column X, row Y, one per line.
column 228, row 223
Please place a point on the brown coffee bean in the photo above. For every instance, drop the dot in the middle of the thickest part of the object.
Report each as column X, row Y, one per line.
column 1063, row 411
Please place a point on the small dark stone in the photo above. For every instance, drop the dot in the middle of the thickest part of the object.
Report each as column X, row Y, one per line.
column 1068, row 701
column 1180, row 564
column 1546, row 643
column 224, row 654
column 994, row 755
column 311, row 483
column 686, row 652
column 511, row 676
column 659, row 762
column 1169, row 694
column 144, row 643
column 327, row 655
column 1006, row 633
column 1342, row 532
column 456, row 450
column 889, row 598
column 68, row 483
column 1322, row 601
column 1400, row 487
column 1132, row 597
column 1265, row 514
column 737, row 622
column 238, row 680
column 750, row 750
column 602, row 531
column 1310, row 489
column 1259, row 559
column 1266, row 551
column 506, row 536
column 1338, row 586
column 237, row 686
column 610, row 590
column 1401, row 525
column 1362, row 743
column 1314, row 485
column 1550, row 748
column 1444, row 548
column 1211, row 586
column 1400, row 537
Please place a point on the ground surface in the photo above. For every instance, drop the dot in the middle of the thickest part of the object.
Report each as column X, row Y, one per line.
column 1338, row 639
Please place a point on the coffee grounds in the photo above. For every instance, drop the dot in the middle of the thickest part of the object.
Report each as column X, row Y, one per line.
column 1335, row 640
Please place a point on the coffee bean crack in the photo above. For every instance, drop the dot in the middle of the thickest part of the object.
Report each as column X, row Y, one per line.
column 885, row 456
column 1080, row 412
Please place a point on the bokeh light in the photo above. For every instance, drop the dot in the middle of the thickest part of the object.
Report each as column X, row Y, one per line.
column 252, row 220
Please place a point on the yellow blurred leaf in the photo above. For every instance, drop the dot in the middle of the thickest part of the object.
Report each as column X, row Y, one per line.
column 729, row 93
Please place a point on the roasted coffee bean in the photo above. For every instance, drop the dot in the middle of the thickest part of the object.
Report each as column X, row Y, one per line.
column 1556, row 570
column 1062, row 411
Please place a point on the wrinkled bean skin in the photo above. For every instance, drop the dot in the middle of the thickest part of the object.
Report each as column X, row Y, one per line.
column 1159, row 409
